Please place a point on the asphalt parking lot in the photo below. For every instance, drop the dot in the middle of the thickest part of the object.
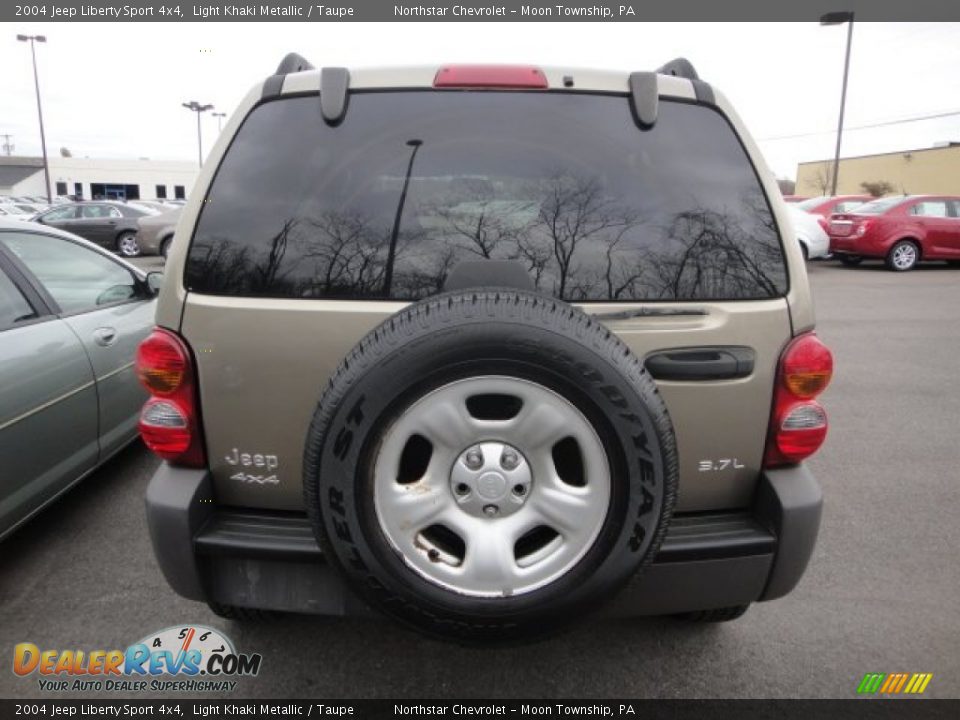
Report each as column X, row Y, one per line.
column 882, row 593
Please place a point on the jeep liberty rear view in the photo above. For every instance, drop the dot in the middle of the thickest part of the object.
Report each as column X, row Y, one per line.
column 483, row 348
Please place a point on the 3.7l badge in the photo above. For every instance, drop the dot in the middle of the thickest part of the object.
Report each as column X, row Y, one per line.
column 718, row 465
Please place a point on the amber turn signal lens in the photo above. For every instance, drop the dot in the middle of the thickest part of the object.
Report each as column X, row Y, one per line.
column 161, row 363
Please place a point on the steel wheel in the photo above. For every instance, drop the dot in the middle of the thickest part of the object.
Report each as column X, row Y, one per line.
column 903, row 256
column 127, row 245
column 491, row 486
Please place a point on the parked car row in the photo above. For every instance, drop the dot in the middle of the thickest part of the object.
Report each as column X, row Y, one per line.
column 114, row 225
column 823, row 206
column 901, row 231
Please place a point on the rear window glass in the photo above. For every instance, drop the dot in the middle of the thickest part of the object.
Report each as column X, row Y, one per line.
column 878, row 207
column 413, row 183
column 811, row 203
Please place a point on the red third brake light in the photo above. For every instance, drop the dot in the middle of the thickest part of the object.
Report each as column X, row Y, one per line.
column 490, row 76
column 169, row 421
column 798, row 424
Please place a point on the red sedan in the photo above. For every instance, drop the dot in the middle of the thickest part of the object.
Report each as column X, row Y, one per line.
column 824, row 206
column 901, row 230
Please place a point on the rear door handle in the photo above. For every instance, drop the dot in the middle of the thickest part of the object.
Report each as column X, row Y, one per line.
column 702, row 363
column 105, row 336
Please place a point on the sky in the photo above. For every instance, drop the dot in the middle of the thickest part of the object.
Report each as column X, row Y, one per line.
column 114, row 90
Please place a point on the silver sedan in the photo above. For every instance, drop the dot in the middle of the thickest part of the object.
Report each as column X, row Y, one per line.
column 71, row 317
column 155, row 232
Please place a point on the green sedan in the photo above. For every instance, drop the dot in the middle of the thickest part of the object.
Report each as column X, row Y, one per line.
column 71, row 317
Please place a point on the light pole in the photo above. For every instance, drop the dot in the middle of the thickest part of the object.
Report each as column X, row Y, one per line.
column 395, row 233
column 838, row 18
column 36, row 83
column 196, row 107
column 219, row 117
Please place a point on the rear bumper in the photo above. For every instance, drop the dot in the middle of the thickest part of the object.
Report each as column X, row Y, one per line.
column 865, row 245
column 270, row 560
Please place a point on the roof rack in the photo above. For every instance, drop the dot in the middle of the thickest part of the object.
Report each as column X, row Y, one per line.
column 293, row 62
column 679, row 67
column 334, row 86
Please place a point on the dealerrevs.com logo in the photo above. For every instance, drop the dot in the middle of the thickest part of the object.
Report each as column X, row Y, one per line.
column 188, row 658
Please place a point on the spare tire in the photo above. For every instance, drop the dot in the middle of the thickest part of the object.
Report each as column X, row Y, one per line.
column 489, row 464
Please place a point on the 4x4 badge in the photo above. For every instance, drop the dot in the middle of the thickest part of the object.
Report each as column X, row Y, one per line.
column 268, row 463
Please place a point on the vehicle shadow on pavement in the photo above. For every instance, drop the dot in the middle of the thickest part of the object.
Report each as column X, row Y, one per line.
column 376, row 658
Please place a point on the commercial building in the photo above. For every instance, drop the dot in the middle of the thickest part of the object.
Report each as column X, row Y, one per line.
column 89, row 178
column 934, row 170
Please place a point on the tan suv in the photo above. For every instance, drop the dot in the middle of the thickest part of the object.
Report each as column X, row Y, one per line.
column 483, row 347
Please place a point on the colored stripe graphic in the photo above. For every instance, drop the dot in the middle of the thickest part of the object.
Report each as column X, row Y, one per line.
column 894, row 683
column 870, row 683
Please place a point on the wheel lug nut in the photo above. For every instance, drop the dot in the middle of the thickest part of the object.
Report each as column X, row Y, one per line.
column 474, row 459
column 509, row 460
column 490, row 510
column 462, row 488
column 519, row 490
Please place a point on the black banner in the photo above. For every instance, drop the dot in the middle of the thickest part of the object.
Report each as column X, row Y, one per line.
column 646, row 709
column 470, row 11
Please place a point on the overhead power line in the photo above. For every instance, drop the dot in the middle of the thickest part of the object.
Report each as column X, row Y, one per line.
column 886, row 123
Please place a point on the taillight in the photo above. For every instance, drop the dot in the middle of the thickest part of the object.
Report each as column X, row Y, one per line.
column 798, row 424
column 490, row 76
column 862, row 228
column 169, row 421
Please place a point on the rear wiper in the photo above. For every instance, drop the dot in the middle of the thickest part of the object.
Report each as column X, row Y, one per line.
column 650, row 312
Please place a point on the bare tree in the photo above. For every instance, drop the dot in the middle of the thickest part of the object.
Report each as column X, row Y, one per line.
column 572, row 211
column 535, row 254
column 719, row 259
column 338, row 244
column 822, row 180
column 265, row 275
column 485, row 225
column 620, row 276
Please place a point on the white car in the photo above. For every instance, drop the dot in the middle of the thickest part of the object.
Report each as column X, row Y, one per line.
column 813, row 239
column 9, row 211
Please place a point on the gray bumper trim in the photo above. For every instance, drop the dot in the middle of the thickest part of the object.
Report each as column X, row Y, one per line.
column 179, row 503
column 789, row 502
column 270, row 560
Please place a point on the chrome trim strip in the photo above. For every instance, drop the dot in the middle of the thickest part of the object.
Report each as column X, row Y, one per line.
column 114, row 372
column 47, row 404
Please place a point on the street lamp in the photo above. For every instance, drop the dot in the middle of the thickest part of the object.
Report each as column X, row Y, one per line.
column 36, row 83
column 395, row 233
column 196, row 107
column 219, row 117
column 838, row 18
